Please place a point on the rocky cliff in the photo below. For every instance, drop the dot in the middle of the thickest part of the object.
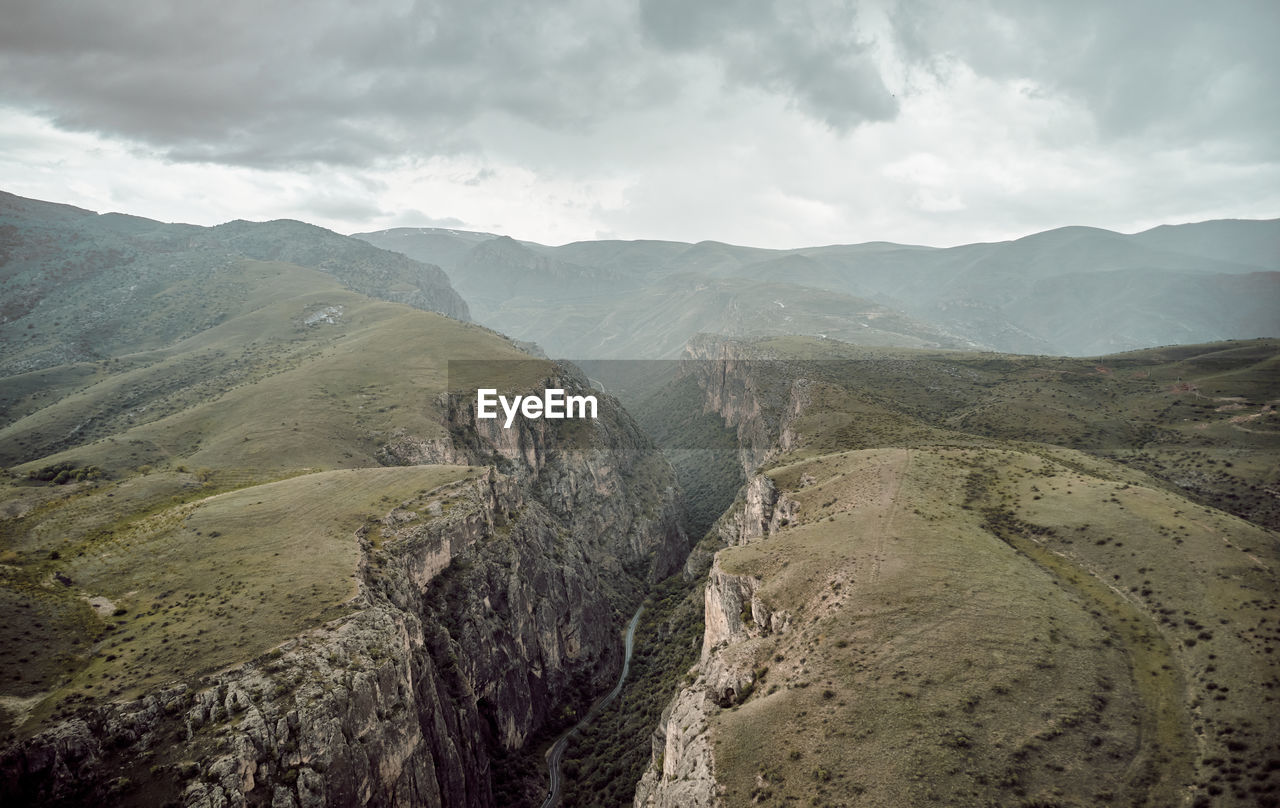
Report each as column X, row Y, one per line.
column 758, row 395
column 736, row 617
column 683, row 771
column 598, row 476
column 750, row 393
column 486, row 609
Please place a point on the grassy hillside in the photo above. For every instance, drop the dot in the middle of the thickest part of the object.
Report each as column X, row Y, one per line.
column 76, row 286
column 1008, row 580
column 936, row 594
column 123, row 605
column 176, row 508
column 1200, row 418
column 139, row 570
column 310, row 375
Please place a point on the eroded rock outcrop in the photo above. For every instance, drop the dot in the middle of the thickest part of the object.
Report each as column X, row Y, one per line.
column 683, row 774
column 736, row 619
column 758, row 395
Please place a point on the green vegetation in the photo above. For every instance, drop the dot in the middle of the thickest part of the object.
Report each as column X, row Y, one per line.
column 82, row 293
column 702, row 450
column 262, row 390
column 604, row 762
column 63, row 473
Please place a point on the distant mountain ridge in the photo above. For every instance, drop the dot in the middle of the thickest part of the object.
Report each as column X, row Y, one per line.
column 1071, row 290
column 72, row 282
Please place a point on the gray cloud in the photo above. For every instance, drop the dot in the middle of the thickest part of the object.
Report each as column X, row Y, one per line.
column 1177, row 73
column 817, row 53
column 650, row 117
column 288, row 83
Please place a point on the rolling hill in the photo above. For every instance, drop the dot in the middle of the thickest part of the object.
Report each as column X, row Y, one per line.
column 79, row 286
column 250, row 493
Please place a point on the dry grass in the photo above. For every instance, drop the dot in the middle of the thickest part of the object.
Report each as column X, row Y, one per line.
column 203, row 585
column 264, row 391
column 945, row 649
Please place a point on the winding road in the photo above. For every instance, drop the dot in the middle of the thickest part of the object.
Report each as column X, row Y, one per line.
column 557, row 749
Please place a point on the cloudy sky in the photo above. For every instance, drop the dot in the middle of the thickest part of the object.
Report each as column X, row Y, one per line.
column 775, row 123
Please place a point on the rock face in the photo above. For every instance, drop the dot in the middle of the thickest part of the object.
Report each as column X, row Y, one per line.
column 683, row 774
column 760, row 510
column 483, row 611
column 753, row 393
column 743, row 389
column 599, row 477
column 682, row 771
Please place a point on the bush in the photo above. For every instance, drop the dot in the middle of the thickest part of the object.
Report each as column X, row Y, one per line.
column 63, row 473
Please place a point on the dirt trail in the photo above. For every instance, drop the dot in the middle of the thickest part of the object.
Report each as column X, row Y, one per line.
column 1165, row 757
column 1212, row 532
column 891, row 474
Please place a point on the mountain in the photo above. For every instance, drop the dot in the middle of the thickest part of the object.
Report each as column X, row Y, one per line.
column 1253, row 243
column 503, row 268
column 79, row 286
column 271, row 552
column 658, row 320
column 645, row 299
column 1074, row 290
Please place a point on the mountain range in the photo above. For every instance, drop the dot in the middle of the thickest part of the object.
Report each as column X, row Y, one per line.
column 1074, row 291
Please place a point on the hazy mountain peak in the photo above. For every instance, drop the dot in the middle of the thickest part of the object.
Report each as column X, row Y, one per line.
column 1074, row 289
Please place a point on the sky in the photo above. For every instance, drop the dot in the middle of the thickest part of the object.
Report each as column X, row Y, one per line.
column 772, row 123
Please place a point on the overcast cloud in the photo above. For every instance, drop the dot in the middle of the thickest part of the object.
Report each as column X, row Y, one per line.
column 783, row 123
